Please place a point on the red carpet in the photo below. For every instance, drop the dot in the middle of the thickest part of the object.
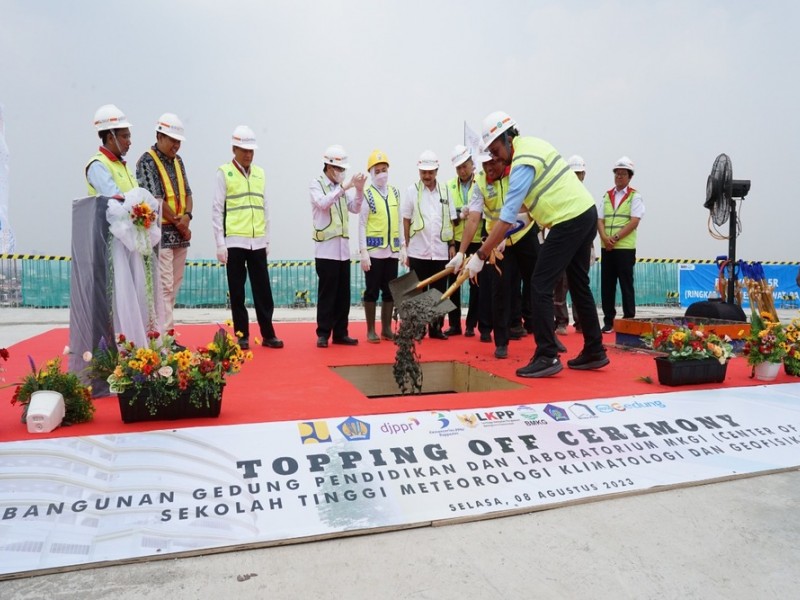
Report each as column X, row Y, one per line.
column 295, row 383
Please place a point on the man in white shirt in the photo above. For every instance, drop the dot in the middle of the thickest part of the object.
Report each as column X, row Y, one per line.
column 331, row 201
column 429, row 216
column 618, row 217
column 240, row 218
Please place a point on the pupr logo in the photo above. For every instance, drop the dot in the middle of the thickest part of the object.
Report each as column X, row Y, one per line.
column 314, row 432
column 354, row 429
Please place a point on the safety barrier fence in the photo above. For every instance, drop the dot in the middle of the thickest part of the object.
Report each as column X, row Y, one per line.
column 40, row 281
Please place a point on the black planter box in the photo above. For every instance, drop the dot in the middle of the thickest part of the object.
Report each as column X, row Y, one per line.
column 690, row 372
column 181, row 408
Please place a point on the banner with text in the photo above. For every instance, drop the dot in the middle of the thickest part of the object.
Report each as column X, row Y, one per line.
column 71, row 501
column 698, row 282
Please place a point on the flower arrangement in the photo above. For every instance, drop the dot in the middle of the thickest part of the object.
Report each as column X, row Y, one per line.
column 78, row 407
column 160, row 371
column 142, row 215
column 766, row 341
column 792, row 359
column 689, row 342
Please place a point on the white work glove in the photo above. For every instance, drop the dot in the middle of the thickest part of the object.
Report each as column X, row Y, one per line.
column 474, row 265
column 464, row 212
column 222, row 255
column 456, row 262
column 403, row 256
column 366, row 263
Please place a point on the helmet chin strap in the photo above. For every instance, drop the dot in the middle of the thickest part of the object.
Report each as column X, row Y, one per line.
column 116, row 142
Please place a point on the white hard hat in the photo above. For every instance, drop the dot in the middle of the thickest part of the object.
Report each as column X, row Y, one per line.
column 244, row 138
column 494, row 125
column 460, row 155
column 108, row 117
column 576, row 163
column 624, row 163
column 484, row 157
column 428, row 161
column 337, row 156
column 170, row 125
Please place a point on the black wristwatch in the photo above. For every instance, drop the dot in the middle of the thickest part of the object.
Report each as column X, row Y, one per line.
column 189, row 214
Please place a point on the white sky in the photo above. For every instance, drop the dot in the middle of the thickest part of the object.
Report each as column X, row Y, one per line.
column 669, row 83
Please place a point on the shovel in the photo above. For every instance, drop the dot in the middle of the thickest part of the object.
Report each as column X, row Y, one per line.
column 408, row 285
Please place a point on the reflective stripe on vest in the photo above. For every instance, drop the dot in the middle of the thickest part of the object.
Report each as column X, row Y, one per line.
column 556, row 194
column 383, row 218
column 493, row 198
column 244, row 202
column 173, row 201
column 454, row 186
column 614, row 219
column 339, row 223
column 119, row 172
column 418, row 222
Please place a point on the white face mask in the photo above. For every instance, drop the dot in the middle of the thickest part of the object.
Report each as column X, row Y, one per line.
column 338, row 176
column 381, row 179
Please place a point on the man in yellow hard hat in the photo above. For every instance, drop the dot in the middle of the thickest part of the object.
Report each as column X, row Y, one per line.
column 161, row 171
column 332, row 198
column 381, row 244
column 240, row 221
column 106, row 172
column 541, row 184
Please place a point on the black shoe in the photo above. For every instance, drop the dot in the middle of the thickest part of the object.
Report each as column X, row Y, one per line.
column 470, row 332
column 586, row 362
column 437, row 334
column 541, row 367
column 561, row 347
column 517, row 333
column 345, row 341
column 452, row 330
column 608, row 329
column 244, row 344
column 322, row 342
column 486, row 338
column 501, row 352
column 272, row 342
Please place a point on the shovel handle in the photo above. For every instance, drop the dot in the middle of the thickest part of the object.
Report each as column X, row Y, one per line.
column 436, row 277
column 462, row 277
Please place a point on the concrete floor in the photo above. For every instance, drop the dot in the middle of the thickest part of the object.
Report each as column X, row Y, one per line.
column 738, row 539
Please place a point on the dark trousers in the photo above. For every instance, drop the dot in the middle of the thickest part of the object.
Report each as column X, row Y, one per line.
column 568, row 247
column 333, row 297
column 424, row 268
column 518, row 264
column 486, row 281
column 454, row 316
column 617, row 265
column 242, row 263
column 560, row 301
column 381, row 272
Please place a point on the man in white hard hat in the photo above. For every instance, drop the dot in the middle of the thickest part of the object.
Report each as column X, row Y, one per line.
column 619, row 214
column 541, row 183
column 429, row 216
column 106, row 172
column 240, row 220
column 460, row 189
column 332, row 198
column 161, row 171
column 381, row 244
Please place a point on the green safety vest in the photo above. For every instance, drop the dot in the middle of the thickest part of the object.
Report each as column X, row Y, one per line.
column 616, row 218
column 175, row 202
column 119, row 173
column 454, row 186
column 339, row 223
column 493, row 198
column 244, row 202
column 556, row 194
column 418, row 223
column 383, row 227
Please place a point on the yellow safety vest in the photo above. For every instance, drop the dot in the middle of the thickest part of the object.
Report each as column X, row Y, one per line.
column 339, row 223
column 176, row 203
column 119, row 173
column 244, row 202
column 454, row 185
column 615, row 219
column 418, row 223
column 556, row 194
column 493, row 198
column 383, row 227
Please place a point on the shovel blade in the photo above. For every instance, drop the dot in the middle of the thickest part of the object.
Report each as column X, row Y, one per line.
column 431, row 300
column 404, row 287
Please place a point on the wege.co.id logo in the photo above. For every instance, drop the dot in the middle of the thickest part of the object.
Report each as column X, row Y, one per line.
column 623, row 406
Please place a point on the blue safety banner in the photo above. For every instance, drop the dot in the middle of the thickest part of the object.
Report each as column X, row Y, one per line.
column 698, row 282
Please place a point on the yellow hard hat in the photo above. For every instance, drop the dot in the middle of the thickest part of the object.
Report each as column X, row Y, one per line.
column 377, row 156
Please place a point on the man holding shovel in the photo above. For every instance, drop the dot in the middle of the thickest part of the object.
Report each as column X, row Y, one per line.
column 428, row 219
